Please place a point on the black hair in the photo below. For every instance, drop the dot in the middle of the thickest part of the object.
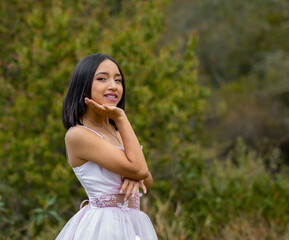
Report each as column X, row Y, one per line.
column 80, row 85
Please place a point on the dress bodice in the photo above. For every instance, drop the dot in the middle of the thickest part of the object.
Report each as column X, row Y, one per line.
column 97, row 180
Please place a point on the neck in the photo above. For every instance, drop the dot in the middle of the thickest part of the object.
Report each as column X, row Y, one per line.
column 96, row 121
column 92, row 119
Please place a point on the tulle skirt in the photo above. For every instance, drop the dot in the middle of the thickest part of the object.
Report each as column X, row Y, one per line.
column 108, row 223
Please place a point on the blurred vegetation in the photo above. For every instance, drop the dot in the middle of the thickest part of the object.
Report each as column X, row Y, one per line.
column 211, row 140
column 243, row 53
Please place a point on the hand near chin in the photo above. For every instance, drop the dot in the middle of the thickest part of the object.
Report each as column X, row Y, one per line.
column 107, row 111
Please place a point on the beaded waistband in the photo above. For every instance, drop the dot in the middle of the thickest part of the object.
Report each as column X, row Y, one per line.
column 114, row 200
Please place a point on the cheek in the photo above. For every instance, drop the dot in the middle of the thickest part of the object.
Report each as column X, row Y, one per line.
column 121, row 93
column 95, row 93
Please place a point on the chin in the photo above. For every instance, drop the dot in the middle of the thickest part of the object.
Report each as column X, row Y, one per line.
column 112, row 104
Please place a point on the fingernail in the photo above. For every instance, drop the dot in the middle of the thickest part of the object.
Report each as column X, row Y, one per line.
column 133, row 195
column 120, row 191
column 125, row 199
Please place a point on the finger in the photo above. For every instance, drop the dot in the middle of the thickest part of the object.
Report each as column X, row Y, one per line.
column 120, row 186
column 88, row 100
column 143, row 187
column 109, row 108
column 135, row 189
column 93, row 104
column 106, row 107
column 124, row 185
column 129, row 188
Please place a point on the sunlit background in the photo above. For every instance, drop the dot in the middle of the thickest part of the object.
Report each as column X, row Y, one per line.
column 207, row 94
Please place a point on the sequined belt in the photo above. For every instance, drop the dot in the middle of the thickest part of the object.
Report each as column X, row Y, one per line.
column 114, row 200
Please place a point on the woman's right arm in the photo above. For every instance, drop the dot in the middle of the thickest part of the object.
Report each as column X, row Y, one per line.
column 148, row 181
column 87, row 146
column 131, row 144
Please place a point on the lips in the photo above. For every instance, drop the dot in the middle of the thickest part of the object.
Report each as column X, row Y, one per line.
column 111, row 96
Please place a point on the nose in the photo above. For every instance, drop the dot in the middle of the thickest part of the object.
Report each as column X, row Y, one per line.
column 112, row 85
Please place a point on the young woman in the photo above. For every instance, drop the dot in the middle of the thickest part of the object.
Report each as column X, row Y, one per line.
column 105, row 155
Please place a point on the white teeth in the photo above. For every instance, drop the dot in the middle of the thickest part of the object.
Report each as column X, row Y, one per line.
column 110, row 96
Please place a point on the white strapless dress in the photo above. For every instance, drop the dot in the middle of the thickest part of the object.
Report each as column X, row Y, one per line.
column 106, row 216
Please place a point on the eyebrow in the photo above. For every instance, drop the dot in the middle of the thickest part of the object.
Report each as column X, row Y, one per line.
column 105, row 73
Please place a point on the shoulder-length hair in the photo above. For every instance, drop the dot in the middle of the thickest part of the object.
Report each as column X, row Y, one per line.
column 80, row 85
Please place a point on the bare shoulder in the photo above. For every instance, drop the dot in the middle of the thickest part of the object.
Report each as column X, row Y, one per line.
column 79, row 136
column 73, row 137
column 74, row 134
column 74, row 140
column 81, row 145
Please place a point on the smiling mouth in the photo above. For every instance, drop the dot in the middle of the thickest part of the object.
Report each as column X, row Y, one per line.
column 111, row 96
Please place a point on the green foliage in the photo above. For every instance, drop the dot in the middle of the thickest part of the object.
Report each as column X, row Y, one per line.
column 42, row 215
column 220, row 197
column 243, row 46
column 248, row 49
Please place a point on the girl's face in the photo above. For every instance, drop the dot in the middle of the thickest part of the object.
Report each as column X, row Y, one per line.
column 107, row 84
